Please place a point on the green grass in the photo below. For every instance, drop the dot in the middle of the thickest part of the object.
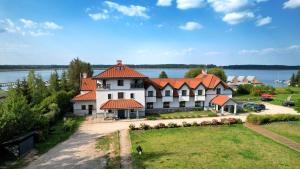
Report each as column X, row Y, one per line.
column 58, row 135
column 247, row 98
column 209, row 147
column 179, row 115
column 290, row 130
column 111, row 145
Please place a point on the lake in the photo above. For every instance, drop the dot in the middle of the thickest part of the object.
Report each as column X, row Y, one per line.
column 265, row 76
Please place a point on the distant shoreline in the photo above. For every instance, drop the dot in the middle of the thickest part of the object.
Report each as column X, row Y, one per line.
column 7, row 68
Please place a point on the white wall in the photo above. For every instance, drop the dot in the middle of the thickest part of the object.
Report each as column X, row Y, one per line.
column 167, row 98
column 184, row 98
column 77, row 107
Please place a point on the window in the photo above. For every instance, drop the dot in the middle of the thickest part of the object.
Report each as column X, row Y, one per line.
column 167, row 93
column 150, row 105
column 109, row 111
column 120, row 95
column 83, row 107
column 109, row 96
column 183, row 92
column 131, row 110
column 120, row 82
column 200, row 92
column 218, row 90
column 120, row 68
column 166, row 104
column 182, row 104
column 150, row 93
column 198, row 104
column 132, row 95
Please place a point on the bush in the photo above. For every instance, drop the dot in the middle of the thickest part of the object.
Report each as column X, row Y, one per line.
column 215, row 122
column 263, row 119
column 195, row 124
column 172, row 125
column 144, row 126
column 186, row 124
column 160, row 126
column 205, row 123
column 132, row 127
column 151, row 118
column 69, row 125
column 244, row 89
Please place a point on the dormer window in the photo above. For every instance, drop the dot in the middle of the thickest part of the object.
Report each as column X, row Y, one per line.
column 120, row 67
column 167, row 93
column 120, row 82
column 218, row 90
column 183, row 92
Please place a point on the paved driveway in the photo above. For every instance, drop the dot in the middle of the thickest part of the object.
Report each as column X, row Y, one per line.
column 78, row 152
column 275, row 109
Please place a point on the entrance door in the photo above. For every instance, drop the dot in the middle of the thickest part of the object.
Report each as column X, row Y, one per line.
column 90, row 109
column 121, row 114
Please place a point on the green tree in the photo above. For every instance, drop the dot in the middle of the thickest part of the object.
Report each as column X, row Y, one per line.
column 16, row 117
column 37, row 88
column 64, row 81
column 192, row 73
column 76, row 69
column 297, row 78
column 218, row 72
column 163, row 74
column 293, row 80
column 53, row 82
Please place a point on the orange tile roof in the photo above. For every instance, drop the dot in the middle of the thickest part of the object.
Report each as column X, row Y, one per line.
column 85, row 97
column 120, row 71
column 220, row 100
column 88, row 84
column 121, row 104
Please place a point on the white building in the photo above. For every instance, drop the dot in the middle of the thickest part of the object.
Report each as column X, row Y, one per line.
column 121, row 92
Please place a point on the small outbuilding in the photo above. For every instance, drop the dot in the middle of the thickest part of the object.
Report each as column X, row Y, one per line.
column 223, row 103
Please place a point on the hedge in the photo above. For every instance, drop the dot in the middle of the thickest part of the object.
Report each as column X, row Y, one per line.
column 214, row 122
column 263, row 119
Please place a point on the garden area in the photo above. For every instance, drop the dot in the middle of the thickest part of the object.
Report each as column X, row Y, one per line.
column 181, row 115
column 221, row 146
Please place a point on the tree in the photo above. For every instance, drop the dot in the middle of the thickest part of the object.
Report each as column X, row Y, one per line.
column 15, row 116
column 163, row 74
column 53, row 82
column 218, row 72
column 75, row 71
column 37, row 88
column 297, row 78
column 64, row 81
column 192, row 73
column 293, row 80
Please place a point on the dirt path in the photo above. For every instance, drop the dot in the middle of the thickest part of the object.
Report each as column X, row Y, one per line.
column 274, row 136
column 125, row 149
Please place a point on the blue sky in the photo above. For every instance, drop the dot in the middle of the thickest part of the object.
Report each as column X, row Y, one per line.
column 217, row 32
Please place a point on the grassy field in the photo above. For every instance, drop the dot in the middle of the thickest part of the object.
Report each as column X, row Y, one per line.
column 111, row 145
column 178, row 115
column 209, row 147
column 290, row 130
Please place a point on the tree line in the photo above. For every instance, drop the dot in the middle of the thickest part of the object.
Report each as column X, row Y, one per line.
column 33, row 105
column 295, row 79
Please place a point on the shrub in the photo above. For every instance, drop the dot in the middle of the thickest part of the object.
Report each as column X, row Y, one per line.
column 160, row 125
column 195, row 124
column 205, row 123
column 144, row 126
column 69, row 125
column 172, row 125
column 132, row 127
column 215, row 122
column 186, row 124
column 263, row 119
column 151, row 118
column 244, row 89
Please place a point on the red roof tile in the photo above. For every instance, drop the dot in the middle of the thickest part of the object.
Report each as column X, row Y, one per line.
column 88, row 84
column 220, row 100
column 85, row 97
column 120, row 71
column 121, row 104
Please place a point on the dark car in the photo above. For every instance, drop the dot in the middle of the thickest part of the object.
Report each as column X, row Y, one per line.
column 266, row 99
column 262, row 106
column 288, row 103
column 255, row 107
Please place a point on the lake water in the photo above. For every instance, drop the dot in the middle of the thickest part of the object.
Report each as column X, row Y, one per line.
column 265, row 76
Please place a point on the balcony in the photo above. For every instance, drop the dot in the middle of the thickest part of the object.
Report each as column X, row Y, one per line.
column 136, row 85
column 184, row 98
column 150, row 99
column 103, row 87
column 200, row 98
column 167, row 99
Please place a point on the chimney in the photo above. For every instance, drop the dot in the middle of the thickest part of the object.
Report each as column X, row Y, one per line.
column 119, row 61
column 204, row 71
column 84, row 75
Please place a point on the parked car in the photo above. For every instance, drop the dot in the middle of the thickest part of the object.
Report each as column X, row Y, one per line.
column 255, row 107
column 266, row 99
column 288, row 103
column 262, row 106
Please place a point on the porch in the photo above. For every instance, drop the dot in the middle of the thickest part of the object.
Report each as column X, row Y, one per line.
column 223, row 104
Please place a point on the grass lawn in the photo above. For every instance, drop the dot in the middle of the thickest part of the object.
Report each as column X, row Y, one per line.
column 290, row 130
column 179, row 115
column 209, row 147
column 111, row 145
column 57, row 135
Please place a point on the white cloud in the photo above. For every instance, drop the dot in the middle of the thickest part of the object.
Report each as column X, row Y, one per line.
column 164, row 3
column 237, row 17
column 28, row 23
column 131, row 10
column 189, row 26
column 99, row 16
column 259, row 1
column 292, row 47
column 51, row 25
column 263, row 21
column 286, row 51
column 227, row 5
column 291, row 4
column 7, row 25
column 188, row 4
